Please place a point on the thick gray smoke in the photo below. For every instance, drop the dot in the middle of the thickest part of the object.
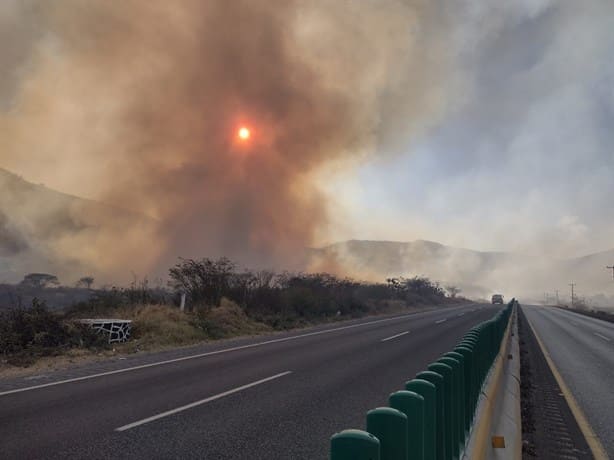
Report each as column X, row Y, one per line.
column 137, row 104
column 499, row 115
column 523, row 163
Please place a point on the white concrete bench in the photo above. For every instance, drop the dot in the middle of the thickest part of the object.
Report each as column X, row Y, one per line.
column 118, row 330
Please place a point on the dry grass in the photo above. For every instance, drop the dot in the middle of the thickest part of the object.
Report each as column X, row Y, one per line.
column 157, row 326
column 228, row 320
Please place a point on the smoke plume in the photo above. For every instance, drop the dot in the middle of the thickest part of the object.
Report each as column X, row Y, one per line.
column 137, row 104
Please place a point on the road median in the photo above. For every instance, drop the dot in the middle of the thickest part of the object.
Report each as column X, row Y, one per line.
column 448, row 409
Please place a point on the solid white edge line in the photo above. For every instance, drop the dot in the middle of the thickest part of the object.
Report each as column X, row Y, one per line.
column 199, row 403
column 441, row 321
column 395, row 336
column 602, row 336
column 202, row 355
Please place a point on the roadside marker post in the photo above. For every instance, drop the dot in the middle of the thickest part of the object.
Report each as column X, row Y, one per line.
column 467, row 354
column 463, row 389
column 354, row 445
column 412, row 405
column 446, row 372
column 440, row 425
column 471, row 345
column 429, row 392
column 389, row 426
column 459, row 427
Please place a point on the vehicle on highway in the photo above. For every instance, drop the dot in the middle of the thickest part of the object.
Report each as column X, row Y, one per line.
column 497, row 298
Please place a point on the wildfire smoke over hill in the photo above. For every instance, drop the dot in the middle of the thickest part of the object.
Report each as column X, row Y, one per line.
column 138, row 103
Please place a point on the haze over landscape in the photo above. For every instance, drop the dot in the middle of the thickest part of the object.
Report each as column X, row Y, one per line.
column 446, row 124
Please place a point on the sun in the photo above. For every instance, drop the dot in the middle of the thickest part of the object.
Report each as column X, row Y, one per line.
column 244, row 133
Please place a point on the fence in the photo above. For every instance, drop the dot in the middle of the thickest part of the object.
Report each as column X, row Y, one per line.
column 430, row 419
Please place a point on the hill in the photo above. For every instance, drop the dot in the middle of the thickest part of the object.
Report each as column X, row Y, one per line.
column 42, row 230
column 45, row 230
column 477, row 273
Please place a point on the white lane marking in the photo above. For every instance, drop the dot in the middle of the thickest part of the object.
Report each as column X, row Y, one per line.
column 460, row 314
column 395, row 336
column 441, row 321
column 202, row 355
column 199, row 403
column 602, row 336
column 574, row 323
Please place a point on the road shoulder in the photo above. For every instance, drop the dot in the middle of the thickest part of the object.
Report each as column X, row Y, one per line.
column 551, row 428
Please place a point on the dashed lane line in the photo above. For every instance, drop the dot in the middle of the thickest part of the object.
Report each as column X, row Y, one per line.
column 602, row 336
column 395, row 336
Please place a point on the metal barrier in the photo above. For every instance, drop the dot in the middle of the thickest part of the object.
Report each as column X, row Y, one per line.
column 432, row 418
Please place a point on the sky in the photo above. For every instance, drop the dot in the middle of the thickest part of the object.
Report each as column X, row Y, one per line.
column 523, row 160
column 479, row 124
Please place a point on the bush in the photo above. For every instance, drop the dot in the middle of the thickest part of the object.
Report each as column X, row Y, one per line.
column 224, row 302
column 161, row 325
column 33, row 328
column 27, row 333
column 227, row 320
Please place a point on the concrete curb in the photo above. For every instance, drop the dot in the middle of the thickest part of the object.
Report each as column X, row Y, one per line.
column 498, row 411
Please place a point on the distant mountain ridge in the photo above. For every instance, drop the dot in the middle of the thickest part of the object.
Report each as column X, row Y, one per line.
column 478, row 273
column 43, row 229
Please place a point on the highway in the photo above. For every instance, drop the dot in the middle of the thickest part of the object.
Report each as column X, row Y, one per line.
column 582, row 349
column 275, row 397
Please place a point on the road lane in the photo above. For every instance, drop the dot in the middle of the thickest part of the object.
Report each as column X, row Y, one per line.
column 584, row 356
column 335, row 378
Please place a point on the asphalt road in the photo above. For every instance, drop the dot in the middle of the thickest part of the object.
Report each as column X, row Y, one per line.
column 582, row 349
column 277, row 397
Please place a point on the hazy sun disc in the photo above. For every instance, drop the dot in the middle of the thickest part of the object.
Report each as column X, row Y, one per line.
column 244, row 133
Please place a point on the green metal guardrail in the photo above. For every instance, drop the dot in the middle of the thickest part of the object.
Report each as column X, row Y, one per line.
column 432, row 418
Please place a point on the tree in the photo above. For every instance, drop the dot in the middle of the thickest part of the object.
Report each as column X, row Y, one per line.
column 40, row 280
column 453, row 291
column 206, row 281
column 86, row 282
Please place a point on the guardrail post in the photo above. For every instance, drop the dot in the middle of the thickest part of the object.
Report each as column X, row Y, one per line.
column 429, row 392
column 389, row 426
column 467, row 353
column 463, row 390
column 472, row 345
column 446, row 372
column 412, row 405
column 459, row 426
column 440, row 426
column 354, row 445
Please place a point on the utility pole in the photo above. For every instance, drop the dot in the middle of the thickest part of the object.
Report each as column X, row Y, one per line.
column 557, row 296
column 611, row 268
column 572, row 296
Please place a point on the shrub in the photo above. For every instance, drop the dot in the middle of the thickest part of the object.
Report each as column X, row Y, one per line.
column 227, row 320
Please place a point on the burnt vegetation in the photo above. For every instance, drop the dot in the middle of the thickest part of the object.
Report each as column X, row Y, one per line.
column 279, row 298
column 221, row 300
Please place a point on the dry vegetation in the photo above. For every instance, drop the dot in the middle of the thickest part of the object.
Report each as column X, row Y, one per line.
column 222, row 302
